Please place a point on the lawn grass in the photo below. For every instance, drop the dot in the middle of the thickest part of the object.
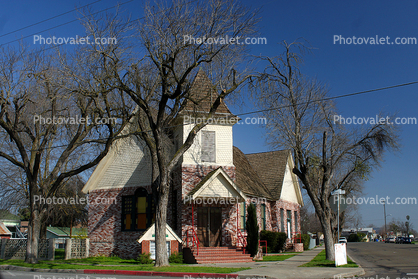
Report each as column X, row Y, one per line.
column 321, row 261
column 59, row 254
column 90, row 263
column 276, row 258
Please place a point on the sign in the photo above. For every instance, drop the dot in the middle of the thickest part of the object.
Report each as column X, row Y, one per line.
column 333, row 202
column 340, row 250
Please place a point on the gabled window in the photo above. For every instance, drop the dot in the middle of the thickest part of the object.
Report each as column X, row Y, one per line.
column 208, row 152
column 138, row 212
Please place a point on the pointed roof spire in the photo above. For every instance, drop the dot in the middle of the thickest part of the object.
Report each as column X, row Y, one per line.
column 203, row 95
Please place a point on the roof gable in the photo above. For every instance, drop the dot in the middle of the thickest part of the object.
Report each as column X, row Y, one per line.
column 247, row 178
column 126, row 165
column 217, row 184
column 274, row 169
column 150, row 234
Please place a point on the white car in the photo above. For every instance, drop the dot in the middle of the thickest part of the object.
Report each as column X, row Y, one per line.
column 342, row 240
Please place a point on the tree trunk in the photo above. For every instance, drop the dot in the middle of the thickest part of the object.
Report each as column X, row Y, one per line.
column 33, row 238
column 161, row 258
column 328, row 238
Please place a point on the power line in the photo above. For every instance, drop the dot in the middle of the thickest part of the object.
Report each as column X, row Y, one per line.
column 333, row 98
column 276, row 108
column 58, row 45
column 62, row 24
column 45, row 20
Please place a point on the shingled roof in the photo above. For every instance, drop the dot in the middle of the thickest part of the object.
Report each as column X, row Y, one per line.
column 203, row 95
column 270, row 167
column 247, row 179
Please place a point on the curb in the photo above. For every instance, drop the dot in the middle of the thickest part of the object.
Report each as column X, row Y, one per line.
column 161, row 273
column 190, row 275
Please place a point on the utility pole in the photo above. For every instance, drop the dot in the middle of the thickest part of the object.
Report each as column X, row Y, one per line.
column 338, row 192
column 384, row 212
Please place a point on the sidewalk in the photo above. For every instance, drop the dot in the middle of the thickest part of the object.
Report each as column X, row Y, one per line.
column 290, row 268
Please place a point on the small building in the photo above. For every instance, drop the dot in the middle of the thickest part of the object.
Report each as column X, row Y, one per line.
column 147, row 241
column 4, row 231
column 62, row 233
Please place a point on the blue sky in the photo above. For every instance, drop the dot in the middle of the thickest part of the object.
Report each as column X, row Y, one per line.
column 344, row 68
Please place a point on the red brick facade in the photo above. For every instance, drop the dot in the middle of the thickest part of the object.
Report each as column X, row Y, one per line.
column 107, row 237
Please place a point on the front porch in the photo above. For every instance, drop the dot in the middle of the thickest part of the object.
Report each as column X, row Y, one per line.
column 211, row 229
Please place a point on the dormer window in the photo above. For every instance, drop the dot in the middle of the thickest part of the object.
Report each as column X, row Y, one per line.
column 208, row 153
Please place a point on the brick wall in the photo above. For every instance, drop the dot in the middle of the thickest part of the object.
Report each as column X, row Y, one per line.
column 191, row 175
column 104, row 224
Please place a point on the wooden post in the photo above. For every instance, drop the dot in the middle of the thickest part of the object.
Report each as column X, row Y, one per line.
column 67, row 249
column 51, row 249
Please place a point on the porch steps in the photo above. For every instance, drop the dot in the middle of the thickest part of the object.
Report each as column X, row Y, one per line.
column 216, row 255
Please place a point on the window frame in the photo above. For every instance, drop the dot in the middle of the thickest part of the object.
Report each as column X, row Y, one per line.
column 205, row 156
column 149, row 210
column 263, row 216
column 243, row 217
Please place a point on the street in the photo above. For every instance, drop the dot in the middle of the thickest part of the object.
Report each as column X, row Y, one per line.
column 385, row 260
column 13, row 274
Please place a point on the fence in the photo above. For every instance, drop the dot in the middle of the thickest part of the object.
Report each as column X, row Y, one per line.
column 15, row 249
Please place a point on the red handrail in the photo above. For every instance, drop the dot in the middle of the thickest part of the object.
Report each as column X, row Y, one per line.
column 297, row 236
column 265, row 242
column 194, row 239
column 241, row 239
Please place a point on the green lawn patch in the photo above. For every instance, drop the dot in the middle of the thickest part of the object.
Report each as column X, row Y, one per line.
column 127, row 265
column 276, row 258
column 321, row 261
column 59, row 254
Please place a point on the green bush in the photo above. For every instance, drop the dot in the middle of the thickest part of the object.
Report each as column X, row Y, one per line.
column 176, row 258
column 252, row 230
column 355, row 237
column 361, row 236
column 281, row 241
column 145, row 258
column 275, row 240
column 271, row 238
column 306, row 239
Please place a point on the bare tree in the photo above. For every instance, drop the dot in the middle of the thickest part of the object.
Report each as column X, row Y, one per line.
column 175, row 38
column 49, row 125
column 327, row 155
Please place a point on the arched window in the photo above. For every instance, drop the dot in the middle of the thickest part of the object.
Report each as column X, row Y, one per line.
column 138, row 212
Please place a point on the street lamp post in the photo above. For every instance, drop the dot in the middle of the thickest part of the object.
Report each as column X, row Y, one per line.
column 384, row 212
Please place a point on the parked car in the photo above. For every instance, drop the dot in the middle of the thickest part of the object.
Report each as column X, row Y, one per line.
column 390, row 240
column 342, row 240
column 407, row 240
column 399, row 240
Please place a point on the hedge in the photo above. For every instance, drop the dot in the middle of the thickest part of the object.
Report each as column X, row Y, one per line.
column 275, row 240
